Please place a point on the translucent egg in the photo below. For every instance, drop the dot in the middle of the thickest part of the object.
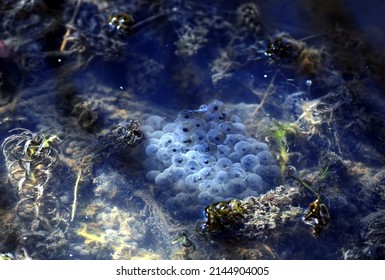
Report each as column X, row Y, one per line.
column 156, row 122
column 167, row 139
column 179, row 160
column 169, row 128
column 231, row 140
column 234, row 157
column 192, row 166
column 206, row 160
column 183, row 128
column 150, row 176
column 204, row 185
column 239, row 128
column 204, row 148
column 215, row 106
column 186, row 139
column 216, row 111
column 223, row 163
column 175, row 149
column 257, row 147
column 162, row 179
column 192, row 155
column 223, row 151
column 243, row 148
column 163, row 155
column 215, row 190
column 216, row 136
column 146, row 129
column 216, row 116
column 198, row 124
column 255, row 182
column 177, row 173
column 235, row 119
column 199, row 136
column 152, row 141
column 207, row 172
column 151, row 150
column 249, row 162
column 156, row 134
column 226, row 127
column 266, row 158
column 234, row 187
column 271, row 174
column 192, row 181
column 237, row 171
column 221, row 177
column 185, row 115
column 204, row 198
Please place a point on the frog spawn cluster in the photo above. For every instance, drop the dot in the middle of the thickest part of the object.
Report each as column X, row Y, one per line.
column 205, row 156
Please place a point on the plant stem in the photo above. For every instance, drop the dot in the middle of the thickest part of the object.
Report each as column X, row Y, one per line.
column 68, row 32
column 76, row 195
column 305, row 185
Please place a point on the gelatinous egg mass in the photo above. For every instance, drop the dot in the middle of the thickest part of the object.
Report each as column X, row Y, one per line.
column 206, row 156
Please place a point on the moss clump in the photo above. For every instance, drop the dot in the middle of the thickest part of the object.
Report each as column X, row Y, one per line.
column 223, row 217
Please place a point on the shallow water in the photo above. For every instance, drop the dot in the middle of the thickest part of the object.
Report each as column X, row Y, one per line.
column 78, row 188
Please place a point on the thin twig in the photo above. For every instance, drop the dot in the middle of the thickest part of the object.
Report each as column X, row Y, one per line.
column 268, row 92
column 76, row 195
column 71, row 22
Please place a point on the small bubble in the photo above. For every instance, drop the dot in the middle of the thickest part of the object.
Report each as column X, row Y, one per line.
column 309, row 83
column 265, row 76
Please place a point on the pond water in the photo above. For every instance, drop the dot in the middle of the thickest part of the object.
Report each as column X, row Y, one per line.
column 186, row 130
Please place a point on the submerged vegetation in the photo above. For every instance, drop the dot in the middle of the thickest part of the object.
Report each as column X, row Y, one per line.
column 95, row 165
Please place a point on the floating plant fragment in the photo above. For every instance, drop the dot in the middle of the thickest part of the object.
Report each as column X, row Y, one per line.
column 188, row 247
column 223, row 217
column 122, row 23
column 317, row 216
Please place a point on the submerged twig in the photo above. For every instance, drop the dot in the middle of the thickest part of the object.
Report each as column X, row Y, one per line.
column 68, row 32
column 76, row 187
column 267, row 93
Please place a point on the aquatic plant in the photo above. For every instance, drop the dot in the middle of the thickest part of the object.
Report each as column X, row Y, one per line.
column 30, row 158
column 188, row 247
column 6, row 257
column 43, row 221
column 252, row 218
column 114, row 233
column 191, row 39
column 223, row 218
column 278, row 133
column 248, row 17
column 317, row 215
